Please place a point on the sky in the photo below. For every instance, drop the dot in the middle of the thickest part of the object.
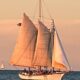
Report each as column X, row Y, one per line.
column 66, row 14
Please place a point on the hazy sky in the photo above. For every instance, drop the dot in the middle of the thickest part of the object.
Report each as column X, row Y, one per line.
column 66, row 14
column 61, row 9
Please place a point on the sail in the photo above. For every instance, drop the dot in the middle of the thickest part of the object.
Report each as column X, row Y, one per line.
column 59, row 59
column 25, row 46
column 41, row 56
column 2, row 66
column 51, row 43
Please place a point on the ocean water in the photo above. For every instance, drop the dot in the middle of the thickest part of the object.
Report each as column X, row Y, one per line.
column 13, row 75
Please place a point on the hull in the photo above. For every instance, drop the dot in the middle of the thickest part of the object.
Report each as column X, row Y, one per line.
column 54, row 76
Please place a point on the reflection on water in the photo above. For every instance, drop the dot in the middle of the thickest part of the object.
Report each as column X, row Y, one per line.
column 73, row 75
column 13, row 75
column 9, row 75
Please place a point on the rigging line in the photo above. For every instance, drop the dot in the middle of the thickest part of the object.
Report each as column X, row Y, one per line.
column 47, row 9
column 35, row 9
column 46, row 18
column 42, row 18
column 40, row 10
column 40, row 7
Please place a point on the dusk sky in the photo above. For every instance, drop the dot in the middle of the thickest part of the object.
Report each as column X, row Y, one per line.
column 66, row 14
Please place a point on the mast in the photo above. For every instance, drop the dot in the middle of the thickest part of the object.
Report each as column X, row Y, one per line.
column 40, row 9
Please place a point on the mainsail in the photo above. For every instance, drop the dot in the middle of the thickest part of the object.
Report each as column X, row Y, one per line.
column 41, row 56
column 59, row 59
column 25, row 46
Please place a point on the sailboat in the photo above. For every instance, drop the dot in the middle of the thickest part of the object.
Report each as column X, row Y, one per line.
column 37, row 47
column 2, row 66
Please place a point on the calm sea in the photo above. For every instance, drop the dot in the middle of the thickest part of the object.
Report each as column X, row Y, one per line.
column 13, row 75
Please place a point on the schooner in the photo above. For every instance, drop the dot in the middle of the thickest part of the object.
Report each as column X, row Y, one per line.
column 39, row 47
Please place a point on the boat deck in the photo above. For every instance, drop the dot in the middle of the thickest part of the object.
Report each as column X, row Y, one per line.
column 42, row 77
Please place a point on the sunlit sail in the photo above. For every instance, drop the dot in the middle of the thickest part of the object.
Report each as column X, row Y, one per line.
column 25, row 46
column 2, row 66
column 59, row 59
column 41, row 56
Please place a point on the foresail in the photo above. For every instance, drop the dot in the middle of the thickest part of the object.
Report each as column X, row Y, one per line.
column 59, row 59
column 25, row 46
column 41, row 56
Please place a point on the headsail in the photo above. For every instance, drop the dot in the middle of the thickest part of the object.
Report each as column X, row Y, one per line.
column 59, row 59
column 41, row 56
column 25, row 46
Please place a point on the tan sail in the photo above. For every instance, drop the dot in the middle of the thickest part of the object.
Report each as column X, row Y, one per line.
column 25, row 46
column 59, row 59
column 41, row 56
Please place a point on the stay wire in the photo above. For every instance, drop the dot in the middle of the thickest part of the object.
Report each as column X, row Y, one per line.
column 46, row 7
column 35, row 9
